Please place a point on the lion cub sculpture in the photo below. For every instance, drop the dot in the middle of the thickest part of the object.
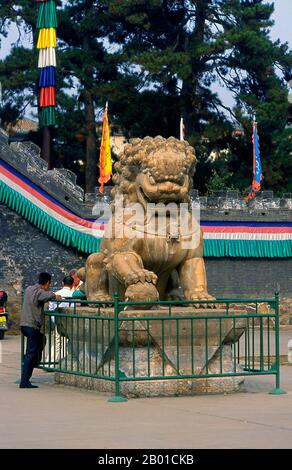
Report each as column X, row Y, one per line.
column 140, row 256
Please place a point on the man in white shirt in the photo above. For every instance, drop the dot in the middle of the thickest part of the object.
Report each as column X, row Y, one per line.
column 66, row 292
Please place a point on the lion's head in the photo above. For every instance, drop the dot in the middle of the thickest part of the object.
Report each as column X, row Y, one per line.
column 155, row 170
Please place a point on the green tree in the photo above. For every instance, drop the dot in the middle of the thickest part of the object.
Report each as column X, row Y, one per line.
column 18, row 72
column 180, row 48
column 259, row 83
column 157, row 60
column 84, row 64
column 82, row 67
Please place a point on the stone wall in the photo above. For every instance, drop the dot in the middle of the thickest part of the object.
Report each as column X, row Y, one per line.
column 59, row 182
column 242, row 277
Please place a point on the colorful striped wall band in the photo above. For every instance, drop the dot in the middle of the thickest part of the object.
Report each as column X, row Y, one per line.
column 221, row 239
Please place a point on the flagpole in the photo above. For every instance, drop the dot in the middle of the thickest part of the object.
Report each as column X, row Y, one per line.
column 46, row 147
column 46, row 45
column 181, row 129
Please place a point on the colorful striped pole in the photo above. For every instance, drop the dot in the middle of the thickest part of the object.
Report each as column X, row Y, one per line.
column 46, row 44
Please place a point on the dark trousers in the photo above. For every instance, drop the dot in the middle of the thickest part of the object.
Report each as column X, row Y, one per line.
column 34, row 346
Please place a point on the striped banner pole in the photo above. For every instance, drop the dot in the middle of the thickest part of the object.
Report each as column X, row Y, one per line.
column 46, row 44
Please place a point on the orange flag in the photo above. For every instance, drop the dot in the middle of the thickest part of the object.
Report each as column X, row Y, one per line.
column 105, row 160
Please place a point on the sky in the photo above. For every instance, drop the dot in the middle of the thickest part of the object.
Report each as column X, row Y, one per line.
column 282, row 16
column 282, row 29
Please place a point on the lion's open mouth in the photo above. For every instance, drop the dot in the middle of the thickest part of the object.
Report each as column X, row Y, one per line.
column 157, row 197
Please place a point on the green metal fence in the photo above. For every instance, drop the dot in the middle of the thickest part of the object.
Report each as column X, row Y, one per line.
column 92, row 342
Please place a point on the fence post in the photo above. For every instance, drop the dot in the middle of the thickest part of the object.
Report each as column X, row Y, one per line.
column 277, row 390
column 21, row 342
column 21, row 358
column 117, row 398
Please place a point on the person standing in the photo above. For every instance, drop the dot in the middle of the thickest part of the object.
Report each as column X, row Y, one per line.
column 76, row 280
column 32, row 320
column 65, row 293
column 58, row 348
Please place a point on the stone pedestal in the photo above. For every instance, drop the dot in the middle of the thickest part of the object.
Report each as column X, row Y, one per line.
column 186, row 349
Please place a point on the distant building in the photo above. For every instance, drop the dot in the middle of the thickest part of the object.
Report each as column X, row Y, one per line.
column 22, row 126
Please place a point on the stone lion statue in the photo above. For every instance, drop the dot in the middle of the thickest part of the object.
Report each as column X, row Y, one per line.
column 137, row 257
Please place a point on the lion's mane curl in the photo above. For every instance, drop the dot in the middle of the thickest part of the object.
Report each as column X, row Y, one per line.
column 137, row 158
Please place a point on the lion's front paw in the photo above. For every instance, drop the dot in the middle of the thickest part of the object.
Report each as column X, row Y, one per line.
column 141, row 275
column 201, row 295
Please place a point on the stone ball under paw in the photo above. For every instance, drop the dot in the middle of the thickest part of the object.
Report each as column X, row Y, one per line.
column 141, row 291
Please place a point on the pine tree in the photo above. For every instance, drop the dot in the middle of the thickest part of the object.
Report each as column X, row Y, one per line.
column 82, row 66
column 259, row 90
column 83, row 60
column 157, row 60
column 181, row 48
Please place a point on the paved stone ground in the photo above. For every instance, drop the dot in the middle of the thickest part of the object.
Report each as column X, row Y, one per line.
column 55, row 416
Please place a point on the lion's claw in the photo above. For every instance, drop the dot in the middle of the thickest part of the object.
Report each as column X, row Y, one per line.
column 143, row 275
column 202, row 296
